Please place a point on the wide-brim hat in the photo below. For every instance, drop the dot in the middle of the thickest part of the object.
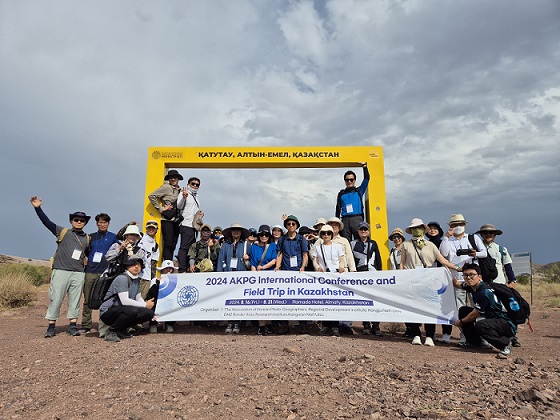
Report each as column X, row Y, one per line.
column 440, row 230
column 397, row 231
column 80, row 214
column 227, row 231
column 132, row 230
column 173, row 174
column 304, row 230
column 416, row 222
column 489, row 228
column 166, row 264
column 336, row 220
column 293, row 219
column 457, row 218
column 277, row 227
column 319, row 221
column 326, row 228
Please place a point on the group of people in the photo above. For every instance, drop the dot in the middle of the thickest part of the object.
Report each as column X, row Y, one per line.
column 340, row 243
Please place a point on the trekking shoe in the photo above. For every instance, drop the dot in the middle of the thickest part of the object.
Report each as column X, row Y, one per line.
column 260, row 331
column 51, row 332
column 268, row 330
column 112, row 337
column 169, row 328
column 467, row 345
column 446, row 338
column 462, row 338
column 505, row 352
column 123, row 333
column 73, row 331
column 416, row 341
column 84, row 331
column 323, row 331
column 366, row 331
column 377, row 332
column 485, row 344
column 515, row 342
column 235, row 329
column 429, row 342
column 153, row 329
column 335, row 332
column 229, row 328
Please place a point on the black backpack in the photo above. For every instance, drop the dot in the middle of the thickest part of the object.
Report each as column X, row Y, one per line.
column 504, row 294
column 101, row 284
column 488, row 269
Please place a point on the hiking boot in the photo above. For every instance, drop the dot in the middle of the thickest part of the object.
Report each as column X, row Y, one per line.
column 335, row 332
column 417, row 341
column 323, row 330
column 51, row 332
column 377, row 332
column 112, row 337
column 515, row 342
column 268, row 330
column 235, row 329
column 446, row 338
column 366, row 331
column 505, row 352
column 73, row 331
column 260, row 331
column 84, row 331
column 429, row 342
column 467, row 345
column 169, row 328
column 123, row 333
column 229, row 328
column 153, row 329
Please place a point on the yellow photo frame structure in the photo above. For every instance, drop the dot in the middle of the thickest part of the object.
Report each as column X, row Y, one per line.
column 160, row 159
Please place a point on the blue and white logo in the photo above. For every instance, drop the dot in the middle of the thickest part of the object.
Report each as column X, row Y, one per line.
column 187, row 296
column 167, row 284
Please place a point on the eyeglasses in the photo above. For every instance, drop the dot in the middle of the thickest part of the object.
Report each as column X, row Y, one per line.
column 195, row 184
column 324, row 233
column 291, row 224
column 79, row 220
column 469, row 275
column 349, row 179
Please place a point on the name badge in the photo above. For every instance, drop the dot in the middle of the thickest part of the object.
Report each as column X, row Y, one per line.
column 293, row 262
column 97, row 257
column 349, row 208
column 233, row 263
column 76, row 254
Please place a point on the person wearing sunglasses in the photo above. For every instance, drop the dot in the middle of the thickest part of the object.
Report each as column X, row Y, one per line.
column 397, row 236
column 349, row 204
column 189, row 205
column 68, row 267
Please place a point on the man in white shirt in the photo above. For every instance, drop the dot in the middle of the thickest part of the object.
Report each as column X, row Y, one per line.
column 189, row 204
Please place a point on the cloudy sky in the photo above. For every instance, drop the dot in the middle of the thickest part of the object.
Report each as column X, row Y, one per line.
column 464, row 97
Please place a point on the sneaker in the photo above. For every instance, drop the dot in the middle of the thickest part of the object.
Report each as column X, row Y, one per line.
column 323, row 331
column 84, row 331
column 112, row 337
column 467, row 345
column 515, row 342
column 229, row 328
column 123, row 334
column 268, row 330
column 51, row 332
column 260, row 331
column 153, row 329
column 485, row 344
column 335, row 332
column 235, row 329
column 446, row 338
column 416, row 341
column 462, row 338
column 168, row 328
column 73, row 331
column 366, row 331
column 429, row 342
column 505, row 352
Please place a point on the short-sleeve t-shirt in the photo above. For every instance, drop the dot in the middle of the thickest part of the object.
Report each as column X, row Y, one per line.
column 122, row 283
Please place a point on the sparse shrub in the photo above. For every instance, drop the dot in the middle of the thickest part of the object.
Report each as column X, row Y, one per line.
column 16, row 290
column 551, row 273
column 37, row 274
column 523, row 279
column 552, row 303
column 395, row 327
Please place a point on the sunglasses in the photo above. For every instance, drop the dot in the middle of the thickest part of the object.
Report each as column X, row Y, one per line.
column 366, row 229
column 324, row 233
column 291, row 224
column 264, row 234
column 195, row 184
column 79, row 220
column 395, row 237
column 350, row 179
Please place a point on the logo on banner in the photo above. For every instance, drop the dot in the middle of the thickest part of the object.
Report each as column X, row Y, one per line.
column 187, row 296
column 167, row 285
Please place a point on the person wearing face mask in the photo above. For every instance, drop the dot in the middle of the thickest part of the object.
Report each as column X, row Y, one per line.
column 418, row 252
column 189, row 205
column 456, row 248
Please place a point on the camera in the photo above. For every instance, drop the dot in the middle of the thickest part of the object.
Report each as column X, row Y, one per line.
column 463, row 252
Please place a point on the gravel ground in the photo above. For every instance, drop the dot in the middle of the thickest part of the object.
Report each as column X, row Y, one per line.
column 200, row 373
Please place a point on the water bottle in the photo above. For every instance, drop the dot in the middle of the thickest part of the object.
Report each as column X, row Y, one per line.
column 513, row 304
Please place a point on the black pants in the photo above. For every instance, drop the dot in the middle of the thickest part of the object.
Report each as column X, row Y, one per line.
column 122, row 317
column 429, row 328
column 153, row 294
column 188, row 236
column 351, row 226
column 170, row 236
column 496, row 331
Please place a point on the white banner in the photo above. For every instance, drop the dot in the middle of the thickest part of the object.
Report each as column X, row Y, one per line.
column 421, row 295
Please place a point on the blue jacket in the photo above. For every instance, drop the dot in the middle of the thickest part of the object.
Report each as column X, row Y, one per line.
column 100, row 242
column 352, row 196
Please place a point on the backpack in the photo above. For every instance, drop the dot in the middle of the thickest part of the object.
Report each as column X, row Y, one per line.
column 487, row 265
column 504, row 294
column 101, row 284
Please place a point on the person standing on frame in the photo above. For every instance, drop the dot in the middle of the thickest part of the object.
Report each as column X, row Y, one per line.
column 349, row 204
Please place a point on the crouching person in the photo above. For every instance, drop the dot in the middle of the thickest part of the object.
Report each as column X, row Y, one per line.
column 123, row 306
column 497, row 329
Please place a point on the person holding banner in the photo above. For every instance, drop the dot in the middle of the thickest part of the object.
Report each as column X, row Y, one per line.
column 234, row 257
column 418, row 252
